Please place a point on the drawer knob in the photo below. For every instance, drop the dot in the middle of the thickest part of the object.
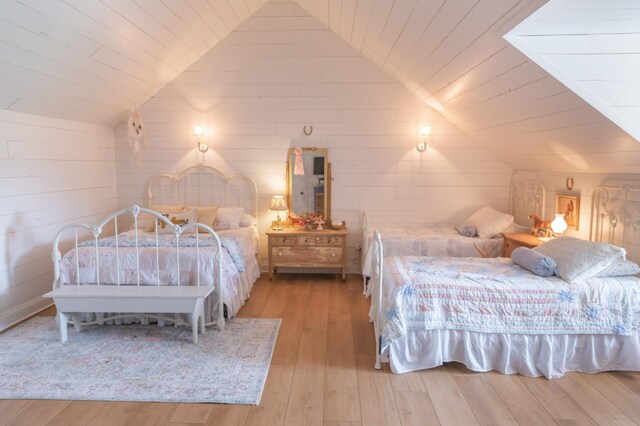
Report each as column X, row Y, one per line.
column 333, row 255
column 279, row 253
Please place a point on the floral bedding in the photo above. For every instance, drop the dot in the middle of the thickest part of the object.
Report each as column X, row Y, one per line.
column 497, row 296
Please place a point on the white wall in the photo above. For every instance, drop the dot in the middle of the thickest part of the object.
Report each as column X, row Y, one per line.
column 282, row 69
column 51, row 172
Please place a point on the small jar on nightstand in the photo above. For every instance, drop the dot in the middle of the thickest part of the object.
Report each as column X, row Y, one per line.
column 512, row 240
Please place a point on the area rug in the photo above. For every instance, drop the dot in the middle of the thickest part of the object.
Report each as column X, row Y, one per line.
column 138, row 363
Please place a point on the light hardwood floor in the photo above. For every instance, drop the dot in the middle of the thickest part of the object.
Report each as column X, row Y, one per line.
column 322, row 374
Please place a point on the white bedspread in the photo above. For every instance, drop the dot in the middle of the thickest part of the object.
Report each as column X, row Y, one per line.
column 433, row 240
column 497, row 296
column 238, row 256
column 428, row 334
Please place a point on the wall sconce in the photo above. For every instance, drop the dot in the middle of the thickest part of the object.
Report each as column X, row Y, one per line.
column 425, row 132
column 198, row 131
column 278, row 204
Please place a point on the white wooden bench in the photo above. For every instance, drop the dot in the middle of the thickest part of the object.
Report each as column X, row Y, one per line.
column 72, row 300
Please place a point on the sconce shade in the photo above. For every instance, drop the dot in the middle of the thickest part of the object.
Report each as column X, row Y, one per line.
column 425, row 132
column 278, row 203
column 558, row 225
column 198, row 130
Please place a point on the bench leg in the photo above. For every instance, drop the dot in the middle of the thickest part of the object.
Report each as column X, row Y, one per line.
column 77, row 322
column 62, row 326
column 197, row 318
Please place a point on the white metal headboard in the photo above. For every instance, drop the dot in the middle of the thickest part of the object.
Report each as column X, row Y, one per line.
column 203, row 185
column 527, row 197
column 615, row 217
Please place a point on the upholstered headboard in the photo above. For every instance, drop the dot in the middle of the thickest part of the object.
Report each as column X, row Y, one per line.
column 203, row 185
column 615, row 217
column 527, row 197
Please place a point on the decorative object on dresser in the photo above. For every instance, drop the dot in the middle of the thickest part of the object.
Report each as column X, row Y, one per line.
column 512, row 240
column 278, row 204
column 297, row 248
column 309, row 182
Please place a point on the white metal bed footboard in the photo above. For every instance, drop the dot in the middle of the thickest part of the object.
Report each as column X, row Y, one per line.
column 199, row 245
column 376, row 295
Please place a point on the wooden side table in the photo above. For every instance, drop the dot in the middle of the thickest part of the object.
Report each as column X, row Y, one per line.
column 296, row 248
column 512, row 240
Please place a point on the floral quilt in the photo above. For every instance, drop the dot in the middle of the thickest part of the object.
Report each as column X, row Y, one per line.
column 497, row 296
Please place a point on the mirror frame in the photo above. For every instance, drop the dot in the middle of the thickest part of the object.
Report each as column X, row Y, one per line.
column 327, row 179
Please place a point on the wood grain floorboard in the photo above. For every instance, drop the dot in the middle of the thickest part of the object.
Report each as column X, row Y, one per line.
column 322, row 374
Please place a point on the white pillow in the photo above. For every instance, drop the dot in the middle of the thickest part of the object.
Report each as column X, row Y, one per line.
column 228, row 218
column 620, row 268
column 183, row 218
column 248, row 220
column 206, row 214
column 490, row 222
column 579, row 259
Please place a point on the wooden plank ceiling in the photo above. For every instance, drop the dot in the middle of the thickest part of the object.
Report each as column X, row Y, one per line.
column 452, row 54
column 95, row 60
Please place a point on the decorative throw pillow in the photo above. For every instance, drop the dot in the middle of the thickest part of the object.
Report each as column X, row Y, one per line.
column 466, row 229
column 206, row 214
column 490, row 222
column 248, row 220
column 579, row 259
column 534, row 261
column 620, row 268
column 228, row 218
column 162, row 209
column 182, row 219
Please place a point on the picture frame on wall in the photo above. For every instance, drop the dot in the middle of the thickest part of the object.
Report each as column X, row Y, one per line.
column 569, row 206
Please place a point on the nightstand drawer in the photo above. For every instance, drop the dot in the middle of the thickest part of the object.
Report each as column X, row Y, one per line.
column 282, row 241
column 306, row 256
column 320, row 241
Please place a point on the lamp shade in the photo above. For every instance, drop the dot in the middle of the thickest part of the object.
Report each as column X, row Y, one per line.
column 558, row 225
column 278, row 203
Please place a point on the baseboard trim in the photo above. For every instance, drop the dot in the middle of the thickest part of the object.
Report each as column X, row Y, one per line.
column 24, row 311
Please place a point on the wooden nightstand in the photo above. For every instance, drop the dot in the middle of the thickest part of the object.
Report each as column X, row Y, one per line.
column 296, row 248
column 518, row 239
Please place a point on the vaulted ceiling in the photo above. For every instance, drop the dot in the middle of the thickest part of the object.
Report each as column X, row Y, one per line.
column 96, row 60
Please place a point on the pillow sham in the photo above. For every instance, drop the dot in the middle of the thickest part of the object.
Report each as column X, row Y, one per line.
column 579, row 259
column 466, row 229
column 620, row 268
column 206, row 214
column 248, row 220
column 183, row 218
column 162, row 209
column 228, row 218
column 489, row 222
column 533, row 261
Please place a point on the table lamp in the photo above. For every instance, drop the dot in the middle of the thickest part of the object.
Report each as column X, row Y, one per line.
column 278, row 204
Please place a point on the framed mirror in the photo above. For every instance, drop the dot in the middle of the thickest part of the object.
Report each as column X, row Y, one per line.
column 309, row 181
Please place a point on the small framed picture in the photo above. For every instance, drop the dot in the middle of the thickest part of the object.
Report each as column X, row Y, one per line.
column 569, row 205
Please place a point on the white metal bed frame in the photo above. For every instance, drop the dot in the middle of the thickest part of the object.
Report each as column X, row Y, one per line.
column 120, row 301
column 203, row 185
column 615, row 217
column 527, row 197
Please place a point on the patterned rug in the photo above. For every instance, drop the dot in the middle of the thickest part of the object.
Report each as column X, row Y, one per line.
column 138, row 363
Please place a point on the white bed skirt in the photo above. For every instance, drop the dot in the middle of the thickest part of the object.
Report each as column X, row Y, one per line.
column 530, row 355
